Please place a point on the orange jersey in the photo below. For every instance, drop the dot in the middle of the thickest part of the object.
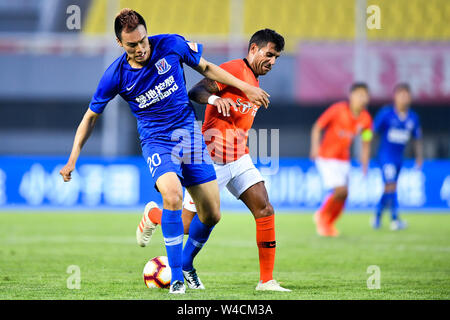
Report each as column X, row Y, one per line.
column 226, row 137
column 341, row 126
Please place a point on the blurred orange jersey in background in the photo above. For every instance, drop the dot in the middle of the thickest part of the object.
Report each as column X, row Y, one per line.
column 226, row 137
column 341, row 126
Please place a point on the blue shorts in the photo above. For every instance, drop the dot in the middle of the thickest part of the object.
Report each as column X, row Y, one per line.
column 188, row 158
column 390, row 171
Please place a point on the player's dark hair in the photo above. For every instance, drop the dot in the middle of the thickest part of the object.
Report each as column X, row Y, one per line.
column 402, row 86
column 359, row 85
column 127, row 20
column 262, row 37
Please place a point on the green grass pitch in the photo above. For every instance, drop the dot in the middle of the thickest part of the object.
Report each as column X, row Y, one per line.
column 36, row 249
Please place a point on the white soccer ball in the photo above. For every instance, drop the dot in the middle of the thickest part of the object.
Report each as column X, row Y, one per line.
column 157, row 273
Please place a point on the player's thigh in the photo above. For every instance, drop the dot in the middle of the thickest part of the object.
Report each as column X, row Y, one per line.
column 223, row 177
column 207, row 201
column 257, row 200
column 169, row 186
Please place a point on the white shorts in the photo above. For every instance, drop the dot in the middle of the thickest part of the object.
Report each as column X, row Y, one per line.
column 237, row 176
column 334, row 172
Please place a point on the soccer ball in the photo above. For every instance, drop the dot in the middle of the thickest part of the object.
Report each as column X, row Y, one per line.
column 157, row 273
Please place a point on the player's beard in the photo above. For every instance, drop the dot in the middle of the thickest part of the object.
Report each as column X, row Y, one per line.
column 265, row 68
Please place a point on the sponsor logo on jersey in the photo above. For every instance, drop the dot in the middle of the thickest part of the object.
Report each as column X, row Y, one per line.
column 244, row 107
column 158, row 93
column 162, row 65
column 400, row 136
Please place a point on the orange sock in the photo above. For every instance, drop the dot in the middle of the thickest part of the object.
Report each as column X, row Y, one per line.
column 337, row 209
column 155, row 215
column 327, row 209
column 265, row 239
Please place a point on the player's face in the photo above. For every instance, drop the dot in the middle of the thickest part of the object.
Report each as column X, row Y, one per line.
column 136, row 44
column 263, row 58
column 359, row 99
column 402, row 99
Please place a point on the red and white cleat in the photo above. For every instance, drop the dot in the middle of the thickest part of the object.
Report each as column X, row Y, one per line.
column 146, row 227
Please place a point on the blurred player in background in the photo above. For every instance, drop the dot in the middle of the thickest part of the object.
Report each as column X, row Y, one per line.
column 395, row 124
column 341, row 122
column 229, row 115
column 150, row 77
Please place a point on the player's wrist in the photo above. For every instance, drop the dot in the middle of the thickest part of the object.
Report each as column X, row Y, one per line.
column 212, row 99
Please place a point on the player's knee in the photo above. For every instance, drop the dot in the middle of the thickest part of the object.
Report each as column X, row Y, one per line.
column 267, row 211
column 341, row 193
column 173, row 200
column 390, row 187
column 213, row 218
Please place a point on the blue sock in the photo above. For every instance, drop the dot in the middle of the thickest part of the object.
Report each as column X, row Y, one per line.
column 380, row 207
column 198, row 235
column 172, row 230
column 394, row 206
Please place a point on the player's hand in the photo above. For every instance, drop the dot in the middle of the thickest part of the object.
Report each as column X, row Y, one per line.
column 223, row 105
column 418, row 165
column 257, row 96
column 66, row 172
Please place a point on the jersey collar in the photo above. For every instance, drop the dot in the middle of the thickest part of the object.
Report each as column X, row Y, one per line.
column 248, row 65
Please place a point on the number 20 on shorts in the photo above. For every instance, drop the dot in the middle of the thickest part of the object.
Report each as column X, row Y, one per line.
column 153, row 162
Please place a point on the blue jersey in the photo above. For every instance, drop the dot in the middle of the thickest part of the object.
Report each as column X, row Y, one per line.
column 156, row 93
column 395, row 133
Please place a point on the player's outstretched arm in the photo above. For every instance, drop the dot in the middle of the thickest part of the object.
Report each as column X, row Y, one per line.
column 418, row 150
column 366, row 139
column 204, row 92
column 214, row 72
column 83, row 132
column 315, row 141
column 365, row 156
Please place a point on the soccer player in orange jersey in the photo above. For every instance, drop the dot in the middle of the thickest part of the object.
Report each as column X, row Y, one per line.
column 229, row 115
column 340, row 123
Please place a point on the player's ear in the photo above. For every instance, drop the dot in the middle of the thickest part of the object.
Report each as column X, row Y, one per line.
column 253, row 48
column 119, row 42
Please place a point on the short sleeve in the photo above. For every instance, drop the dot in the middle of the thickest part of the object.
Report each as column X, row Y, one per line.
column 190, row 52
column 231, row 68
column 368, row 122
column 107, row 89
column 326, row 117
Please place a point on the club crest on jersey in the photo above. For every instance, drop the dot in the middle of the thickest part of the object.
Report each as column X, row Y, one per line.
column 162, row 65
column 193, row 46
column 409, row 125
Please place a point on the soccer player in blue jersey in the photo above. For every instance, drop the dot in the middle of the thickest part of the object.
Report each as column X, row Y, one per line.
column 395, row 124
column 150, row 77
